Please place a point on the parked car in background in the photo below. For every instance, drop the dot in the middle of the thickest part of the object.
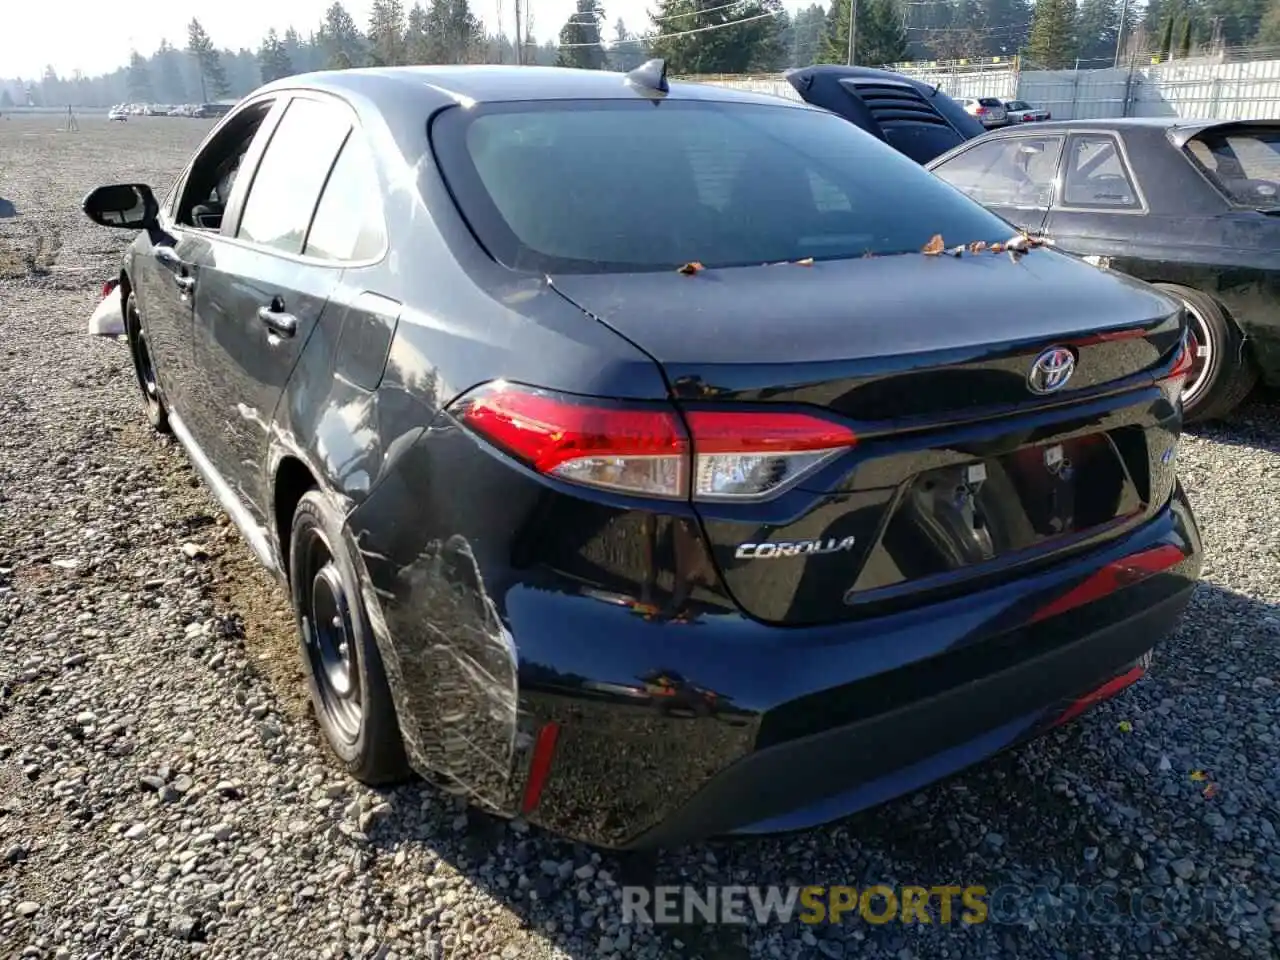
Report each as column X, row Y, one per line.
column 915, row 118
column 988, row 111
column 868, row 540
column 118, row 112
column 1190, row 205
column 1019, row 111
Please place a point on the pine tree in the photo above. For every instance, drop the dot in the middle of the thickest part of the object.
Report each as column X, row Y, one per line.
column 341, row 38
column 1097, row 31
column 387, row 33
column 738, row 37
column 273, row 59
column 1184, row 41
column 139, row 79
column 417, row 39
column 625, row 53
column 580, row 38
column 1052, row 44
column 172, row 86
column 1269, row 27
column 1166, row 37
column 880, row 39
column 213, row 78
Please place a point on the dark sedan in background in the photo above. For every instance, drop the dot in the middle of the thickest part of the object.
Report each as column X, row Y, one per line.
column 656, row 460
column 1191, row 205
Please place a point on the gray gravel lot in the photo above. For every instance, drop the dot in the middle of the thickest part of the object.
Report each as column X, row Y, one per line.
column 163, row 793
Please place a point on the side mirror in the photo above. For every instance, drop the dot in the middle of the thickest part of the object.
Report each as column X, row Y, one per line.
column 130, row 206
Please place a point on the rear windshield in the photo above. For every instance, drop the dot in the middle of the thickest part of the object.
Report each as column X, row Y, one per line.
column 990, row 102
column 1017, row 105
column 1245, row 165
column 620, row 185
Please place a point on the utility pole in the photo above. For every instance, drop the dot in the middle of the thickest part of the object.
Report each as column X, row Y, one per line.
column 853, row 28
column 1124, row 17
column 519, row 48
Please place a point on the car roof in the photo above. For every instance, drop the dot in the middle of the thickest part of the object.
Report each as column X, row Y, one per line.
column 484, row 83
column 1178, row 129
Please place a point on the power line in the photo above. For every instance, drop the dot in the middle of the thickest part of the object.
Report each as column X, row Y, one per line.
column 669, row 36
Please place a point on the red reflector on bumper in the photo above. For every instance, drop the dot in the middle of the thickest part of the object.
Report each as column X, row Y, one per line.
column 1104, row 692
column 1112, row 577
column 544, row 749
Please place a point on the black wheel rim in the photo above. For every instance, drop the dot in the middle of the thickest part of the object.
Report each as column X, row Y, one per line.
column 1200, row 343
column 330, row 635
column 142, row 363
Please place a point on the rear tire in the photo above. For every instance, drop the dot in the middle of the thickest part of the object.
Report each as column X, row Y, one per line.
column 348, row 685
column 1223, row 377
column 143, row 369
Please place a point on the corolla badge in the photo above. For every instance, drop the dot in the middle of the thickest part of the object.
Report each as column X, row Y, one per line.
column 1051, row 370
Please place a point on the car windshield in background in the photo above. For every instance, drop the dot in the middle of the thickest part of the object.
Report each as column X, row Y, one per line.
column 990, row 102
column 1244, row 164
column 619, row 185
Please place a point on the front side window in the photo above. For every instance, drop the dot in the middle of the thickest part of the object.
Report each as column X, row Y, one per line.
column 1096, row 175
column 1010, row 172
column 348, row 224
column 1243, row 164
column 621, row 185
column 293, row 170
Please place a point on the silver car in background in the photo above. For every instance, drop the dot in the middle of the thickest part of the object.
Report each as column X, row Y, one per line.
column 1019, row 111
column 989, row 111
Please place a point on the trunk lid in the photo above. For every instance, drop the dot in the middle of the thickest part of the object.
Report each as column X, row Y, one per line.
column 960, row 472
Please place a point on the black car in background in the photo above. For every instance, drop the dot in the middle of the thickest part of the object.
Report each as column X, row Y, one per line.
column 915, row 118
column 1190, row 205
column 635, row 457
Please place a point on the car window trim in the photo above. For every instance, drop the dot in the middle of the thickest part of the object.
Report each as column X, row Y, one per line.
column 1122, row 151
column 287, row 97
column 978, row 142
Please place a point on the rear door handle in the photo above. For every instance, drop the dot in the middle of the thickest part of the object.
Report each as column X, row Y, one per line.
column 185, row 283
column 278, row 322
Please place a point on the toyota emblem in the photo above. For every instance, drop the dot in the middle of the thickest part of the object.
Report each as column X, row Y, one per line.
column 1051, row 370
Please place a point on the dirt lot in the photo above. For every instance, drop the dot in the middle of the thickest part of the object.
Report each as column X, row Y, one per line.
column 162, row 792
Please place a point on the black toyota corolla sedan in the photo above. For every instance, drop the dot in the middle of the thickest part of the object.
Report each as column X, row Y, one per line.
column 656, row 461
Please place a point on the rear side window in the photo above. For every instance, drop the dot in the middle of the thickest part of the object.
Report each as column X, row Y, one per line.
column 1096, row 175
column 348, row 224
column 293, row 170
column 1244, row 165
column 1010, row 172
column 591, row 186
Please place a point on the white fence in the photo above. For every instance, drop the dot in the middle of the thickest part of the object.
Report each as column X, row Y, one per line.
column 1188, row 88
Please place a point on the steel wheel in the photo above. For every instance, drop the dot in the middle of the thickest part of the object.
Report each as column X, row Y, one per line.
column 143, row 367
column 330, row 636
column 1200, row 343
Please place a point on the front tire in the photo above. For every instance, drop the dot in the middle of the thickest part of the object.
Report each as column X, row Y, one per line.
column 1221, row 373
column 143, row 369
column 348, row 685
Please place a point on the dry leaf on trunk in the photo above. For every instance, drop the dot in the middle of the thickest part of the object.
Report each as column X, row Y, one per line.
column 934, row 247
column 689, row 269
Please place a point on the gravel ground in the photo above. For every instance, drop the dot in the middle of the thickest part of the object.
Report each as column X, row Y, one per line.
column 163, row 793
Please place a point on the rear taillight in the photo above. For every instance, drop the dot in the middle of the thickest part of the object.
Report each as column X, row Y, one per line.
column 1173, row 381
column 980, row 111
column 108, row 287
column 650, row 450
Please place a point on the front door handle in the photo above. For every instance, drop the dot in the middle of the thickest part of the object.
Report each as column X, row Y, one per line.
column 169, row 259
column 281, row 324
column 185, row 283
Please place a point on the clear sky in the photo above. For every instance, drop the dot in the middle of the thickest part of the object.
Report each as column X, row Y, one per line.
column 96, row 38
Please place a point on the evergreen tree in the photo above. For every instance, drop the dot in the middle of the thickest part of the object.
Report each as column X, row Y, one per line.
column 1166, row 38
column 387, row 33
column 625, row 53
column 168, row 69
column 213, row 78
column 580, row 38
column 140, row 90
column 417, row 41
column 1096, row 31
column 273, row 59
column 730, row 39
column 808, row 29
column 342, row 38
column 1269, row 27
column 1184, row 40
column 880, row 39
column 1052, row 44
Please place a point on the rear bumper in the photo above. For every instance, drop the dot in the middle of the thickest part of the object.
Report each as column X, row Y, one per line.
column 664, row 731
